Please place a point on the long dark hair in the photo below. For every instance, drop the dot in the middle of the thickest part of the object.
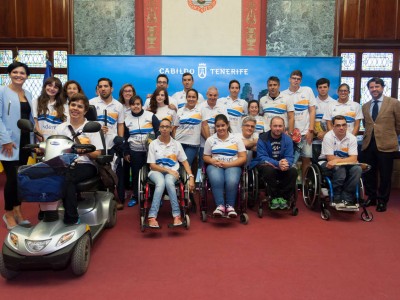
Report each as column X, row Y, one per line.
column 65, row 87
column 121, row 92
column 224, row 119
column 153, row 99
column 43, row 99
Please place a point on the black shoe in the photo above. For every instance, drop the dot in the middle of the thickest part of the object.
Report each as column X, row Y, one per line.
column 40, row 215
column 370, row 202
column 381, row 207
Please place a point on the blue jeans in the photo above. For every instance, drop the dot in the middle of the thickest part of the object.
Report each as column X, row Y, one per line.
column 191, row 152
column 220, row 178
column 344, row 181
column 163, row 181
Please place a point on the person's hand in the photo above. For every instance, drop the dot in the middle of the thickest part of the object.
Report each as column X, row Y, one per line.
column 173, row 107
column 7, row 149
column 174, row 173
column 127, row 158
column 331, row 164
column 191, row 184
column 321, row 135
column 283, row 165
column 39, row 138
column 217, row 163
column 309, row 137
column 104, row 129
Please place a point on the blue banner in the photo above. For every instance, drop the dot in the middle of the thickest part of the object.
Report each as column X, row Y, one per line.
column 251, row 72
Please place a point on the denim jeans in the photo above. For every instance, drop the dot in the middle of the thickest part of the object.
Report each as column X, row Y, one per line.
column 344, row 181
column 220, row 178
column 191, row 152
column 163, row 181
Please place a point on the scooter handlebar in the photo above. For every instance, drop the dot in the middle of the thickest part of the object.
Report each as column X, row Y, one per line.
column 85, row 148
column 30, row 146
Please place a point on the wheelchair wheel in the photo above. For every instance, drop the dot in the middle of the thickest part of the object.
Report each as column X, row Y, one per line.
column 325, row 214
column 260, row 212
column 252, row 188
column 244, row 219
column 203, row 216
column 311, row 186
column 187, row 222
column 243, row 191
column 295, row 211
column 367, row 216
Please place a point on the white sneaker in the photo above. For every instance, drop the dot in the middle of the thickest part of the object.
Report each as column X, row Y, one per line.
column 219, row 211
column 231, row 211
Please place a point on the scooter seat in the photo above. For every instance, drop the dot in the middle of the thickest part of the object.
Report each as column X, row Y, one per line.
column 89, row 185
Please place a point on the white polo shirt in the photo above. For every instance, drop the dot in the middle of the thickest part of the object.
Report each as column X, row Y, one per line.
column 208, row 114
column 166, row 155
column 171, row 100
column 93, row 138
column 331, row 145
column 180, row 97
column 320, row 107
column 350, row 110
column 48, row 122
column 115, row 115
column 189, row 126
column 164, row 112
column 224, row 150
column 236, row 109
column 302, row 99
column 275, row 107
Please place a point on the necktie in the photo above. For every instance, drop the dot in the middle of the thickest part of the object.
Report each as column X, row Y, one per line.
column 375, row 110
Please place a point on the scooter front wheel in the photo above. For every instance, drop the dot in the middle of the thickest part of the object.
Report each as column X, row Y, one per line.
column 81, row 256
column 6, row 273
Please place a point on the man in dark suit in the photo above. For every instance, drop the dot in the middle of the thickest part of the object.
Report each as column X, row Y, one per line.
column 380, row 143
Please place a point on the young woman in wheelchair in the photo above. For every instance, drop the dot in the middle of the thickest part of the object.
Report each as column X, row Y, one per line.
column 224, row 154
column 164, row 156
column 339, row 149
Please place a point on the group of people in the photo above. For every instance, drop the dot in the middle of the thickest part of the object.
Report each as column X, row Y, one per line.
column 225, row 134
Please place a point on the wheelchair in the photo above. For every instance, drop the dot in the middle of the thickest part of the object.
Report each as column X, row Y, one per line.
column 146, row 191
column 206, row 197
column 256, row 185
column 317, row 192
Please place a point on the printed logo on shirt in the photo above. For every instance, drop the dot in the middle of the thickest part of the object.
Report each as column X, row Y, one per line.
column 278, row 109
column 194, row 119
column 301, row 105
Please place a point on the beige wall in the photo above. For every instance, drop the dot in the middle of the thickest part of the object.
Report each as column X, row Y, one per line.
column 187, row 32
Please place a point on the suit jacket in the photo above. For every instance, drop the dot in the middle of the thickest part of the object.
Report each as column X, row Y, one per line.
column 386, row 127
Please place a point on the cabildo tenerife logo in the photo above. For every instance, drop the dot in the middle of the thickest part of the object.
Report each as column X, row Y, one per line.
column 203, row 71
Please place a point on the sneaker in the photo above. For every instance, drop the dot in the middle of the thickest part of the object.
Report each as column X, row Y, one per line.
column 283, row 203
column 231, row 211
column 132, row 202
column 177, row 221
column 340, row 204
column 349, row 204
column 324, row 192
column 219, row 211
column 275, row 204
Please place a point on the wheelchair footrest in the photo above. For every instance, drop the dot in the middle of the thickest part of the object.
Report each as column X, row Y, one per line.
column 349, row 208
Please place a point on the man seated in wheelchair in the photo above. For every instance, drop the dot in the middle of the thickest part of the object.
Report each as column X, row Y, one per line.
column 224, row 154
column 339, row 150
column 274, row 161
column 164, row 156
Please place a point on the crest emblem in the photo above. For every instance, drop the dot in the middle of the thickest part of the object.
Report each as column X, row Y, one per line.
column 202, row 5
column 202, row 70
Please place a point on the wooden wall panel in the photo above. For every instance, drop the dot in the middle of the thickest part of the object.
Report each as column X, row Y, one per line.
column 40, row 22
column 368, row 22
column 381, row 18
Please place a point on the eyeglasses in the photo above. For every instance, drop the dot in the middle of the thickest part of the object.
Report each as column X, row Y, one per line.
column 249, row 126
column 343, row 91
column 296, row 78
column 164, row 127
column 340, row 125
column 161, row 82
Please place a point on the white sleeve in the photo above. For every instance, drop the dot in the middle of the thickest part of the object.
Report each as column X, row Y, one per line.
column 241, row 146
column 146, row 104
column 35, row 108
column 327, row 113
column 327, row 146
column 150, row 154
column 353, row 146
column 207, row 146
column 359, row 114
column 121, row 114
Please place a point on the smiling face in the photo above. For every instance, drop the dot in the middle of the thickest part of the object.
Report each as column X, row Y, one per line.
column 52, row 90
column 248, row 129
column 376, row 90
column 221, row 128
column 212, row 96
column 343, row 92
column 191, row 99
column 127, row 93
column 18, row 76
column 160, row 98
column 253, row 109
column 72, row 89
column 77, row 110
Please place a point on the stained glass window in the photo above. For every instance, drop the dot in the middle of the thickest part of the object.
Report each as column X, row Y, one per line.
column 34, row 84
column 33, row 58
column 4, row 79
column 62, row 77
column 60, row 59
column 350, row 82
column 366, row 96
column 348, row 61
column 377, row 62
column 6, row 58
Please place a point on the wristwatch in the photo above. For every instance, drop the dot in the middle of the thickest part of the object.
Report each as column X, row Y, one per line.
column 191, row 175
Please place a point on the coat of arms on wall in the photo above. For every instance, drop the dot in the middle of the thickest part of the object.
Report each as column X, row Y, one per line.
column 202, row 5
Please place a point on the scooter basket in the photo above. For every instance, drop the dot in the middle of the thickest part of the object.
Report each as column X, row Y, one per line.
column 43, row 182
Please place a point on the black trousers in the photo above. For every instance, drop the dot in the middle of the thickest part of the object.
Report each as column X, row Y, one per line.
column 138, row 160
column 79, row 173
column 382, row 162
column 287, row 181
